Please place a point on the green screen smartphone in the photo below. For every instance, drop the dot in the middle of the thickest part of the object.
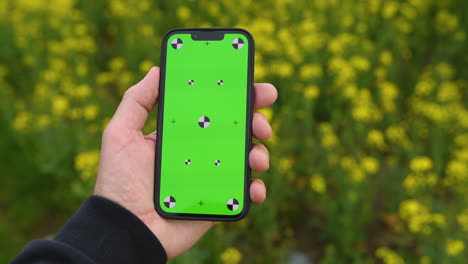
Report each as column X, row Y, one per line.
column 204, row 124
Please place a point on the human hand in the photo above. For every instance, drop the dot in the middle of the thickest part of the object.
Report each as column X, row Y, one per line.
column 126, row 168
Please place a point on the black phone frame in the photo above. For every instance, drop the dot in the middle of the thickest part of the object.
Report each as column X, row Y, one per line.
column 160, row 132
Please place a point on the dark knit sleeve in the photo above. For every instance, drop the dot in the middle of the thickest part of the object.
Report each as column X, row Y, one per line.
column 100, row 232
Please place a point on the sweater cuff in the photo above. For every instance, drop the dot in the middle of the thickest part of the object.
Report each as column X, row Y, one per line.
column 108, row 233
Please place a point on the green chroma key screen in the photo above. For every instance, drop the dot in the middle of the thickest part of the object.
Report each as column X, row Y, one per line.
column 204, row 131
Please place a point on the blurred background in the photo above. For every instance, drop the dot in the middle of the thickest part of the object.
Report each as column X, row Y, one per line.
column 369, row 159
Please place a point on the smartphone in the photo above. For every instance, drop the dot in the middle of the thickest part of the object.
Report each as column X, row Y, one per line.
column 204, row 124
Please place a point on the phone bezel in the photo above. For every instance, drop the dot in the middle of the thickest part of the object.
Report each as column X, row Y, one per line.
column 160, row 132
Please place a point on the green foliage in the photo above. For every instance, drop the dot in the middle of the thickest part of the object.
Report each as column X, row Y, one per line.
column 370, row 152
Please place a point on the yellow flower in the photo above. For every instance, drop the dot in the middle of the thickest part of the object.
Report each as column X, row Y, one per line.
column 350, row 91
column 357, row 175
column 438, row 219
column 361, row 113
column 294, row 54
column 416, row 215
column 90, row 112
column 125, row 80
column 419, row 4
column 308, row 25
column 376, row 138
column 231, row 256
column 364, row 108
column 386, row 57
column 268, row 112
column 454, row 246
column 143, row 6
column 370, row 164
column 81, row 29
column 408, row 11
column 59, row 105
column 146, row 65
column 117, row 64
column 457, row 169
column 283, row 69
column 347, row 21
column 260, row 71
column 448, row 91
column 348, row 163
column 50, row 76
column 311, row 92
column 460, row 35
column 445, row 70
column 461, row 139
column 388, row 93
column 28, row 59
column 103, row 78
column 3, row 71
column 421, row 164
column 374, row 6
column 360, row 63
column 312, row 41
column 87, row 163
column 419, row 217
column 147, row 30
column 410, row 207
column 336, row 64
column 462, row 154
column 388, row 256
column 405, row 27
column 43, row 121
column 183, row 12
column 22, row 121
column 415, row 180
column 213, row 8
column 380, row 73
column 60, row 7
column 329, row 140
column 411, row 183
column 425, row 260
column 317, row 183
column 31, row 5
column 82, row 91
column 424, row 87
column 463, row 220
column 285, row 164
column 390, row 8
column 310, row 71
column 87, row 44
column 446, row 21
column 396, row 134
column 75, row 113
column 3, row 8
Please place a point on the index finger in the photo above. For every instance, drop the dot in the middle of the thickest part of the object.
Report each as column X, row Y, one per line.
column 265, row 95
column 137, row 102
